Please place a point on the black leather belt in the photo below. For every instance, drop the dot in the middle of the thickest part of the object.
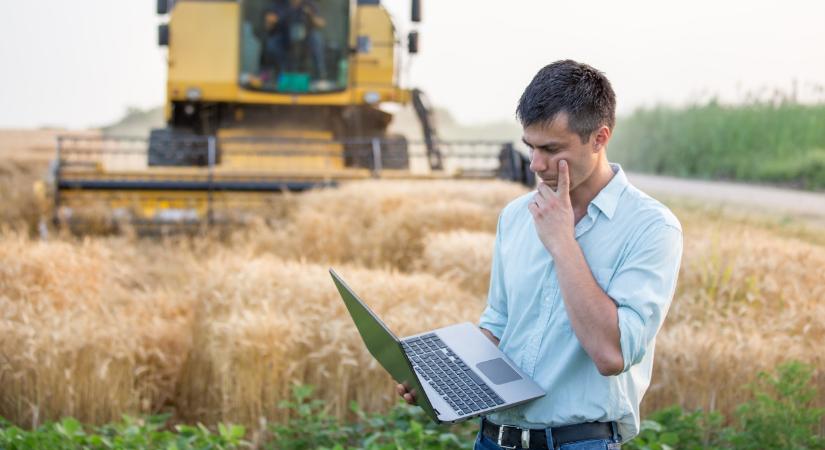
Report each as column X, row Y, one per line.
column 514, row 437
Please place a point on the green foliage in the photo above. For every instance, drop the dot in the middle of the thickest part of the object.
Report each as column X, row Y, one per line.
column 128, row 434
column 310, row 427
column 780, row 415
column 806, row 170
column 759, row 141
column 674, row 428
column 404, row 427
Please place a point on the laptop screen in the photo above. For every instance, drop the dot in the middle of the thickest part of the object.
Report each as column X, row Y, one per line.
column 382, row 343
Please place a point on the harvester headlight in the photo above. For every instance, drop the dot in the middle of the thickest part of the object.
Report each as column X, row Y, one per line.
column 372, row 97
column 193, row 93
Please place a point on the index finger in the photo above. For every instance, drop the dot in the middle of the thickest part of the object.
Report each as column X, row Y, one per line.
column 563, row 187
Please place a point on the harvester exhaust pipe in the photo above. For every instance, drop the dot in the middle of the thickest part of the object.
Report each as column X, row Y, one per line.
column 415, row 11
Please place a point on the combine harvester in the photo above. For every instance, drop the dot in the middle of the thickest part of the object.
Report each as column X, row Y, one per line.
column 267, row 96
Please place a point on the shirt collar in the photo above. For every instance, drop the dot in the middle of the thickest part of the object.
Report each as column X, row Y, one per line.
column 608, row 198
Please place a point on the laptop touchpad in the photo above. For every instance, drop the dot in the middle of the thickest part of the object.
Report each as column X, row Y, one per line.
column 498, row 371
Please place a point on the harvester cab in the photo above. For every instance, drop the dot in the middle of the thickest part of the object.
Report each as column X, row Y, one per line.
column 265, row 96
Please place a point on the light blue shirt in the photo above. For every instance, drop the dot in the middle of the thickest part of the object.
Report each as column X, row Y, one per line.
column 633, row 246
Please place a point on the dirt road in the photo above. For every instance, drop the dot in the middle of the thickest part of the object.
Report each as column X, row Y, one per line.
column 760, row 199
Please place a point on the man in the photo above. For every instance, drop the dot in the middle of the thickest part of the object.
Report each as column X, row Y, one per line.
column 291, row 28
column 583, row 273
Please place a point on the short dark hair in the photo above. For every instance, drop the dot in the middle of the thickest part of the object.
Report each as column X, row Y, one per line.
column 568, row 86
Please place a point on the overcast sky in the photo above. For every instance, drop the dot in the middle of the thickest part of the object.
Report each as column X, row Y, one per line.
column 82, row 63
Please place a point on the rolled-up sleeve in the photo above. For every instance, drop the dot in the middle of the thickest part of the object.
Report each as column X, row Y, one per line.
column 494, row 317
column 643, row 288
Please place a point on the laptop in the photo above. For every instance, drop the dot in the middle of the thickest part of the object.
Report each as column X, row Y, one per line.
column 456, row 372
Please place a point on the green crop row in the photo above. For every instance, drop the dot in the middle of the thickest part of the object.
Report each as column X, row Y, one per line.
column 780, row 415
column 781, row 143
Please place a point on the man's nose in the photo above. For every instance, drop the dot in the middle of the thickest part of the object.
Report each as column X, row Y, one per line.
column 538, row 162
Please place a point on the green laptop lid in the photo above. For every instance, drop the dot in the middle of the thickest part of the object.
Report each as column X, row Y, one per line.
column 382, row 344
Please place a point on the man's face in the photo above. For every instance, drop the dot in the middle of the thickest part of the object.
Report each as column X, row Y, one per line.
column 551, row 142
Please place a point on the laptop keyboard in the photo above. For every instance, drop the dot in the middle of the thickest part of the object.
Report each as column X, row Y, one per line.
column 454, row 381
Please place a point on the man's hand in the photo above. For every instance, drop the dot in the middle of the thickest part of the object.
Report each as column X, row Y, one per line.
column 553, row 212
column 490, row 336
column 408, row 396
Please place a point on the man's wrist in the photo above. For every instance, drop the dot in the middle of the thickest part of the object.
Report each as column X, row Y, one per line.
column 563, row 248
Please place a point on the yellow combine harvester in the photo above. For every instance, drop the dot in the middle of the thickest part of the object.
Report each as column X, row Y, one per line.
column 265, row 96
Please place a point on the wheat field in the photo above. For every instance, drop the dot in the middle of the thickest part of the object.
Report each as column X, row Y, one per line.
column 219, row 328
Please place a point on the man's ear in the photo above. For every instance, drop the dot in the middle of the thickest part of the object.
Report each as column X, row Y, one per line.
column 601, row 137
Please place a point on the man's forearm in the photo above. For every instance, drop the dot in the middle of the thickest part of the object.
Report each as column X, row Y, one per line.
column 593, row 315
column 490, row 336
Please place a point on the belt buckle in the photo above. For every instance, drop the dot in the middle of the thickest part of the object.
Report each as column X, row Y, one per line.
column 501, row 434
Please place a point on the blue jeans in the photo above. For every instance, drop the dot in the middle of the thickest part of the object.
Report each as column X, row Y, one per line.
column 485, row 443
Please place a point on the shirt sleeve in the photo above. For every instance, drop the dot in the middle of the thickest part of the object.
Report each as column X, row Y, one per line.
column 643, row 288
column 494, row 317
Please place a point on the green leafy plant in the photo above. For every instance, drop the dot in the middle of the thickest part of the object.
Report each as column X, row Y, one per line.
column 310, row 427
column 404, row 427
column 128, row 434
column 781, row 414
column 674, row 428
